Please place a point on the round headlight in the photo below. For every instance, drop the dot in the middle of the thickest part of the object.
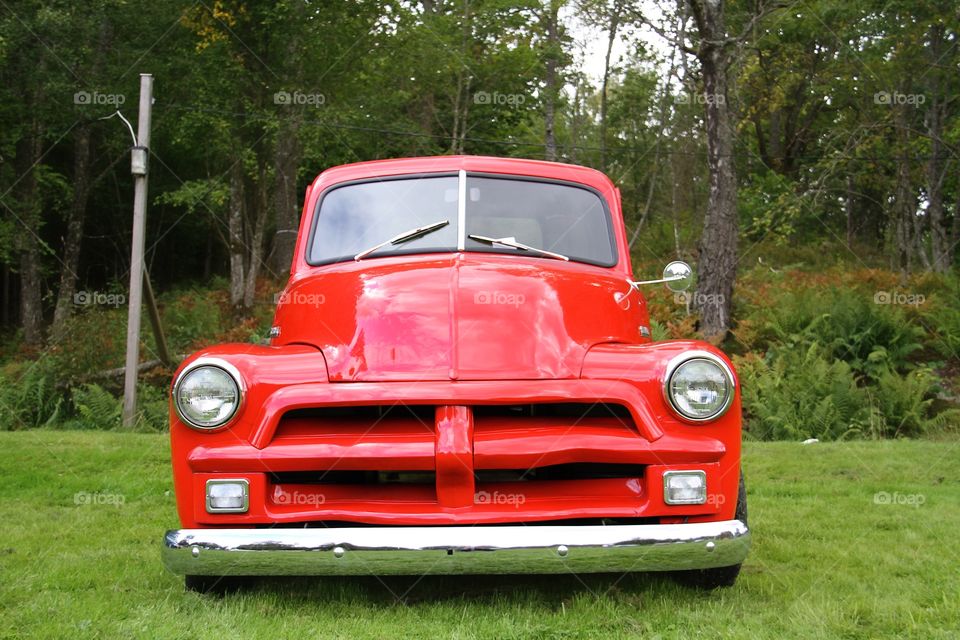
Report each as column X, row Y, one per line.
column 207, row 396
column 699, row 387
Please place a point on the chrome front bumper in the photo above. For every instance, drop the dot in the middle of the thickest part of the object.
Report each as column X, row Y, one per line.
column 456, row 549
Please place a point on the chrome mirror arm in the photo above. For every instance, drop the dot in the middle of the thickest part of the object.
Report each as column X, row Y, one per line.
column 637, row 283
column 676, row 272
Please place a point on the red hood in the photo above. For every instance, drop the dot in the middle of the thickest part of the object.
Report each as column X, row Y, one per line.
column 459, row 316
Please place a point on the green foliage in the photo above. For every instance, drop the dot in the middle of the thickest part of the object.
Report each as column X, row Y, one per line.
column 943, row 320
column 796, row 394
column 29, row 397
column 198, row 196
column 769, row 207
column 54, row 390
column 94, row 340
column 260, row 334
column 946, row 324
column 825, row 358
column 153, row 408
column 871, row 338
column 902, row 405
column 96, row 408
column 192, row 316
column 658, row 330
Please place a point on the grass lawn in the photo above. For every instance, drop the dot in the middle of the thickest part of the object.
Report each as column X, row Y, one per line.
column 83, row 514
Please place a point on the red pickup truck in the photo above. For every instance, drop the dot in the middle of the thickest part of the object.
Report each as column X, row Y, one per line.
column 460, row 379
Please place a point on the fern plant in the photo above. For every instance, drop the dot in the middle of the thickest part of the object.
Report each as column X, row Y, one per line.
column 658, row 331
column 871, row 338
column 945, row 325
column 96, row 407
column 153, row 408
column 29, row 397
column 903, row 405
column 797, row 394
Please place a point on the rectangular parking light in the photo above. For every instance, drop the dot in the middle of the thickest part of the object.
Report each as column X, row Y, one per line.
column 228, row 496
column 685, row 487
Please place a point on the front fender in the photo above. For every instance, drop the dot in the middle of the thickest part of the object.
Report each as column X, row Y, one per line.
column 264, row 370
column 645, row 365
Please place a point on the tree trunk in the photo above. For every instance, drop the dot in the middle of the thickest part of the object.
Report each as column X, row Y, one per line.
column 575, row 123
column 935, row 170
column 424, row 110
column 255, row 257
column 910, row 244
column 235, row 229
column 955, row 235
column 718, row 244
column 611, row 38
column 286, row 204
column 28, row 151
column 31, row 316
column 550, row 80
column 288, row 152
column 462, row 98
column 83, row 183
column 848, row 210
column 903, row 206
column 918, row 242
column 466, row 116
column 208, row 257
column 7, row 302
column 775, row 144
column 75, row 221
column 457, row 100
column 675, row 211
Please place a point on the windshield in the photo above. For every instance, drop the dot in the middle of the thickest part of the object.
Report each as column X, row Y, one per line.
column 536, row 218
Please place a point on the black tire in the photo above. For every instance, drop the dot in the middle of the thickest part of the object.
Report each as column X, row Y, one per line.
column 720, row 576
column 213, row 585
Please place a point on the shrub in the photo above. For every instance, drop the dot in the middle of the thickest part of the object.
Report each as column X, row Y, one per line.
column 902, row 405
column 798, row 394
column 94, row 340
column 29, row 397
column 153, row 406
column 192, row 317
column 946, row 330
column 95, row 407
column 658, row 331
column 943, row 319
column 871, row 338
column 793, row 394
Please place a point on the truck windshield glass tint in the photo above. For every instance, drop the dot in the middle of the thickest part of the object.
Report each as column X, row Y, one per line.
column 358, row 216
column 560, row 218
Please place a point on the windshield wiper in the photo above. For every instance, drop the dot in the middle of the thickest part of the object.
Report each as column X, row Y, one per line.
column 406, row 236
column 512, row 242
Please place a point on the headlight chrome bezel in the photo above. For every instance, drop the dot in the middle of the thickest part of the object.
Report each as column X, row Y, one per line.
column 216, row 363
column 692, row 356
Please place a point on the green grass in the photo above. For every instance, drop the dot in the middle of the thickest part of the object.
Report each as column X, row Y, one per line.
column 827, row 561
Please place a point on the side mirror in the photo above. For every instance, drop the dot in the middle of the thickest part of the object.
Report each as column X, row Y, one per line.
column 677, row 275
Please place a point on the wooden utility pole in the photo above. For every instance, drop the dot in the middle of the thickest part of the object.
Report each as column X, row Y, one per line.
column 138, row 167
